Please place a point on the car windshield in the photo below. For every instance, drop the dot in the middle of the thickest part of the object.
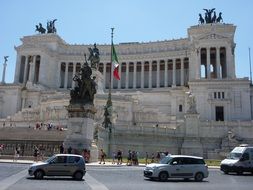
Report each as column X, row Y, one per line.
column 165, row 160
column 234, row 155
column 50, row 159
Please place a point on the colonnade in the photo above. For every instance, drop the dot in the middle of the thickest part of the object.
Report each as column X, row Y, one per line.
column 213, row 62
column 29, row 69
column 137, row 74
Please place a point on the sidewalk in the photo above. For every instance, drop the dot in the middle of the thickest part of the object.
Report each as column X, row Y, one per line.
column 87, row 164
column 19, row 161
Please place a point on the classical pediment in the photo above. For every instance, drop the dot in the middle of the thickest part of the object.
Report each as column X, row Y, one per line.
column 212, row 36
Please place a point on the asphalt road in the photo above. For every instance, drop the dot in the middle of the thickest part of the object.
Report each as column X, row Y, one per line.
column 15, row 177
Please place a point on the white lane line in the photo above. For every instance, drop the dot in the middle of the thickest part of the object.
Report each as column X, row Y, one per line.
column 7, row 182
column 93, row 183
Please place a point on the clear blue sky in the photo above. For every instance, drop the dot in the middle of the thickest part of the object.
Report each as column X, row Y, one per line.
column 89, row 21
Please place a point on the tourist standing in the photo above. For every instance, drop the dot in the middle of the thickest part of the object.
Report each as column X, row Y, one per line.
column 61, row 149
column 146, row 158
column 35, row 154
column 102, row 156
column 119, row 156
column 16, row 154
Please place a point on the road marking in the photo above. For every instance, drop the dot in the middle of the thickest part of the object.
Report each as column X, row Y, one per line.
column 94, row 184
column 7, row 182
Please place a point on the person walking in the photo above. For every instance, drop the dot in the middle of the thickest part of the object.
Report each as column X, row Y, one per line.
column 146, row 158
column 119, row 156
column 16, row 154
column 35, row 154
column 102, row 156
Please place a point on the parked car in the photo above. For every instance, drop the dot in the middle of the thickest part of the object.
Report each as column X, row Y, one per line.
column 178, row 166
column 59, row 165
column 239, row 160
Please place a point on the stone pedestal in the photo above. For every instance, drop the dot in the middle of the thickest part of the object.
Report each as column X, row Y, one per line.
column 81, row 129
column 191, row 144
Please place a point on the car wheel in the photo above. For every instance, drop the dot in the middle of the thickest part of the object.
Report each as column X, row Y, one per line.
column 39, row 174
column 199, row 176
column 163, row 176
column 78, row 176
column 225, row 172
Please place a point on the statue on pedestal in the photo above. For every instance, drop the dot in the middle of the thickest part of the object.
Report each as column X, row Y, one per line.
column 192, row 103
column 210, row 17
column 94, row 57
column 85, row 90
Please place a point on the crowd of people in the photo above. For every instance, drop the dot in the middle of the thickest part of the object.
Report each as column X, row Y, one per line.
column 132, row 156
column 48, row 126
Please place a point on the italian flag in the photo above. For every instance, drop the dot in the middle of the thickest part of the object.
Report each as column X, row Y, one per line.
column 115, row 63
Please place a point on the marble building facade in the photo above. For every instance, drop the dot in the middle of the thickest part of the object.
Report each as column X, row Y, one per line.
column 151, row 98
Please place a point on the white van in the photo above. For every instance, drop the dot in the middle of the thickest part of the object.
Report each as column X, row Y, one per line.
column 239, row 160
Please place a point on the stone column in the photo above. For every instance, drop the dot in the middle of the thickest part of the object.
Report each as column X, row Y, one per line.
column 104, row 73
column 134, row 78
column 73, row 75
column 150, row 75
column 174, row 73
column 4, row 70
column 208, row 62
column 26, row 68
column 198, row 69
column 120, row 75
column 230, row 63
column 66, row 75
column 59, row 74
column 158, row 74
column 32, row 69
column 166, row 73
column 218, row 62
column 127, row 74
column 142, row 74
column 17, row 69
column 182, row 72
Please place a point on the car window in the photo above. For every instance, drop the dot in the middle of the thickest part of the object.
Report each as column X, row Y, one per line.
column 177, row 161
column 73, row 159
column 193, row 161
column 59, row 160
column 165, row 160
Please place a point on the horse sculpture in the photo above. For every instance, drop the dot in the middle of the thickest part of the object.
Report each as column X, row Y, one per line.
column 40, row 29
column 219, row 19
column 201, row 20
column 51, row 27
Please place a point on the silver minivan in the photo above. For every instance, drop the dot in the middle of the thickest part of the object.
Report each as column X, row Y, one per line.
column 59, row 165
column 178, row 166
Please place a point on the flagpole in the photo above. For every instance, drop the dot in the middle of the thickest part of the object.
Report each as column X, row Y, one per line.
column 250, row 67
column 110, row 85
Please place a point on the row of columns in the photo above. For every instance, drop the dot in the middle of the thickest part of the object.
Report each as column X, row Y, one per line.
column 182, row 77
column 218, row 67
column 29, row 69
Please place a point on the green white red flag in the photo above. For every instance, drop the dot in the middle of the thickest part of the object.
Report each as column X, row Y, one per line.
column 115, row 63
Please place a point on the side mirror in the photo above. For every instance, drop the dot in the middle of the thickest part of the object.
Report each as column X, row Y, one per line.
column 174, row 163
